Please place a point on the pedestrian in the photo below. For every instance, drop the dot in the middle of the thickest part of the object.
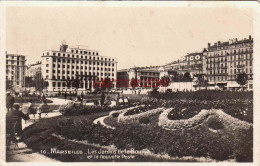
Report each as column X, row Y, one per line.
column 117, row 97
column 82, row 95
column 103, row 96
column 43, row 108
column 10, row 100
column 65, row 95
column 17, row 115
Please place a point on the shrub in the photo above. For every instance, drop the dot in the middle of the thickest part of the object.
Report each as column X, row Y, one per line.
column 144, row 120
column 215, row 124
column 115, row 115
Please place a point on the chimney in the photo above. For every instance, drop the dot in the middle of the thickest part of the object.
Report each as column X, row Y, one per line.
column 250, row 38
column 208, row 44
column 218, row 42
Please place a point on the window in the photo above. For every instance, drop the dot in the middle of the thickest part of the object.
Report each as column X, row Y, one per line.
column 53, row 71
column 47, row 71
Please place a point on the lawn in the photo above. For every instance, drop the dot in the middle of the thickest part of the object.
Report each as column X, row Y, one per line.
column 198, row 141
column 212, row 138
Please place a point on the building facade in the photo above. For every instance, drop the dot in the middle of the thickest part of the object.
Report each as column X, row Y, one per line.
column 146, row 76
column 61, row 68
column 225, row 60
column 33, row 69
column 15, row 70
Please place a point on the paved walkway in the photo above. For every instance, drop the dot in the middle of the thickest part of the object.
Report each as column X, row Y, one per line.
column 24, row 154
column 58, row 101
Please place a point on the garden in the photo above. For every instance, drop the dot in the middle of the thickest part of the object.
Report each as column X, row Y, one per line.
column 189, row 127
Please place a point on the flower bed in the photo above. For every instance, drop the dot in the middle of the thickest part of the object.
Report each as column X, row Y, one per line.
column 241, row 109
column 166, row 123
column 74, row 110
column 136, row 117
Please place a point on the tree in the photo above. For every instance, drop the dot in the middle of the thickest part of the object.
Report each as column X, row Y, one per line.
column 9, row 84
column 187, row 77
column 76, row 83
column 106, row 84
column 134, row 83
column 41, row 84
column 30, row 82
column 242, row 79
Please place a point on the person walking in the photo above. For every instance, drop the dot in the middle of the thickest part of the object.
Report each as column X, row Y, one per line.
column 17, row 115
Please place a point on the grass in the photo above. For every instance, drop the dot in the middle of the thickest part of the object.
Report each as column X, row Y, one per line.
column 39, row 138
column 197, row 141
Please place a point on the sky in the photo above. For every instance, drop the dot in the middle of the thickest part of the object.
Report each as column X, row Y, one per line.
column 136, row 36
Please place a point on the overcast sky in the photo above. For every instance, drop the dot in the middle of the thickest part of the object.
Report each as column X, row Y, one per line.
column 136, row 36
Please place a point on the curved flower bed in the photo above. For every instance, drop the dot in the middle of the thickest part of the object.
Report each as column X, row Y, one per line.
column 136, row 117
column 199, row 118
column 123, row 110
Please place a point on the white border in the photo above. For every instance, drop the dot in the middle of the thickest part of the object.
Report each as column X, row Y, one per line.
column 220, row 4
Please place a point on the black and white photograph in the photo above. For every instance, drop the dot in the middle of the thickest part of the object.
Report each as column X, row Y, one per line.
column 137, row 83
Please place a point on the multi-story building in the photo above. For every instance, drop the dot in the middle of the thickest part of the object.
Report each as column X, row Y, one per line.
column 61, row 68
column 33, row 70
column 15, row 70
column 144, row 75
column 225, row 60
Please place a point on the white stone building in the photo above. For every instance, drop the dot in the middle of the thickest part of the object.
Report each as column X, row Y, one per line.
column 68, row 64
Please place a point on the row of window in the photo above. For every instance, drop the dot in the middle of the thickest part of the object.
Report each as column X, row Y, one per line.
column 241, row 63
column 82, row 62
column 22, row 58
column 84, row 52
column 81, row 56
column 225, row 78
column 235, row 71
column 77, row 67
column 74, row 77
column 229, row 52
